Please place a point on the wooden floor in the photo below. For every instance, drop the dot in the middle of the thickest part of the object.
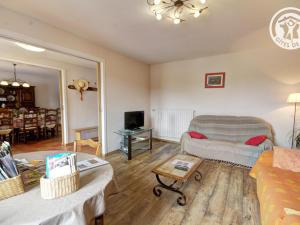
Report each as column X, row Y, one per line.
column 225, row 196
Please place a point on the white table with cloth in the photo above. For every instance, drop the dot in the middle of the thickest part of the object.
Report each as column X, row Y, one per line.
column 78, row 208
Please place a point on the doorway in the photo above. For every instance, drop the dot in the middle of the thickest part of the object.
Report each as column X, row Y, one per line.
column 73, row 103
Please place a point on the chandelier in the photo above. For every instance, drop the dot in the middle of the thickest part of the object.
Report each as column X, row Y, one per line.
column 14, row 82
column 177, row 10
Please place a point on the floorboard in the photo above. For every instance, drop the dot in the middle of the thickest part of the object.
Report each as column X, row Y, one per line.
column 226, row 195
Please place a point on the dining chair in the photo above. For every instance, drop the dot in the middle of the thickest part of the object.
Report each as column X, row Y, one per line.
column 30, row 125
column 88, row 142
column 51, row 122
column 42, row 121
column 6, row 125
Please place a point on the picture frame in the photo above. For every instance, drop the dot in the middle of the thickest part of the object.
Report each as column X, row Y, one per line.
column 215, row 80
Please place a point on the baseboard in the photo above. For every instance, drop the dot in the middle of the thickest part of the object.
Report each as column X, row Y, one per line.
column 166, row 140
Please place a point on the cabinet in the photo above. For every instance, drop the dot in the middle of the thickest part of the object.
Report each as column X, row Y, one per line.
column 17, row 97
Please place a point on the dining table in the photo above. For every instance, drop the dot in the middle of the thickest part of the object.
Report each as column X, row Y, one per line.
column 78, row 208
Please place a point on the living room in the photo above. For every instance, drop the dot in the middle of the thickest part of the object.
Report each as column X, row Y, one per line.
column 221, row 60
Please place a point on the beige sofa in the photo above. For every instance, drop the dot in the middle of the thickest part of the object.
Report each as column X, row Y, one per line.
column 226, row 138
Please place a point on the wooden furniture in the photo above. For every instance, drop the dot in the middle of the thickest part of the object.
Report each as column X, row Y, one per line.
column 167, row 169
column 6, row 125
column 88, row 142
column 134, row 140
column 30, row 126
column 51, row 122
column 17, row 97
column 91, row 195
column 79, row 132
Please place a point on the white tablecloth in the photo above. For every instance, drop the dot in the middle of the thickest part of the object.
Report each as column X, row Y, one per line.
column 79, row 208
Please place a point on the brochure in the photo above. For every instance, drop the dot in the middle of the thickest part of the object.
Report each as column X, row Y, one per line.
column 61, row 164
column 90, row 163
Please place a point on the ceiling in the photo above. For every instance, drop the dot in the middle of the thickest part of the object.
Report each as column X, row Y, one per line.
column 128, row 26
column 21, row 68
column 11, row 49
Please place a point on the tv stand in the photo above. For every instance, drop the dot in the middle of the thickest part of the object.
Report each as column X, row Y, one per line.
column 135, row 140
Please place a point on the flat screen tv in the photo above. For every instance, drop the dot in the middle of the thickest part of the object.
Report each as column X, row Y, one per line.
column 134, row 120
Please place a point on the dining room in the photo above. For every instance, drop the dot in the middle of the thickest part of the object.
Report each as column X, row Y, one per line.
column 30, row 103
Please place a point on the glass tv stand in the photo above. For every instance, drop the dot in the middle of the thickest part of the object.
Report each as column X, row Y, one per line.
column 135, row 140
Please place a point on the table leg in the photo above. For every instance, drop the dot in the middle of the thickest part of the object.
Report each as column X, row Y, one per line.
column 198, row 176
column 129, row 147
column 99, row 220
column 181, row 200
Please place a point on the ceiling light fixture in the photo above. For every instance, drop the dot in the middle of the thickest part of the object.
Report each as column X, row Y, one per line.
column 30, row 47
column 177, row 10
column 15, row 82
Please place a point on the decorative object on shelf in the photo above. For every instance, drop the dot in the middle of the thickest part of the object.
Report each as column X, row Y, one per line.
column 294, row 98
column 81, row 86
column 177, row 10
column 15, row 82
column 215, row 80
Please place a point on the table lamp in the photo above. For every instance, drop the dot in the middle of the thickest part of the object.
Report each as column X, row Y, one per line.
column 294, row 98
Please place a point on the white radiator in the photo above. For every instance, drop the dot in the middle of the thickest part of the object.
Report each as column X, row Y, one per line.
column 170, row 124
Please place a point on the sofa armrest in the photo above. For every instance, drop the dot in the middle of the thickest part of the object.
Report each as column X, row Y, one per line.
column 185, row 137
column 266, row 145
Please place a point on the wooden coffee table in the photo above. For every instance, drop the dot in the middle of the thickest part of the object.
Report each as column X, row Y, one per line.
column 167, row 170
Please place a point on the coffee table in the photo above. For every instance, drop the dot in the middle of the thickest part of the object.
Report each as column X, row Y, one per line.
column 167, row 170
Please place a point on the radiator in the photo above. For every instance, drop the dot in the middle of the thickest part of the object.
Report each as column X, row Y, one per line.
column 170, row 124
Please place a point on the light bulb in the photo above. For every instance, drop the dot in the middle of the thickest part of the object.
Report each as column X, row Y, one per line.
column 176, row 21
column 26, row 85
column 15, row 84
column 202, row 1
column 197, row 14
column 156, row 2
column 158, row 16
column 4, row 83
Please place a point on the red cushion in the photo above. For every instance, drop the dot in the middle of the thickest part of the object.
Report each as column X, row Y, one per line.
column 256, row 141
column 197, row 135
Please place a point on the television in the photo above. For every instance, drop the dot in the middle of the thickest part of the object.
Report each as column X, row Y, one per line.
column 134, row 120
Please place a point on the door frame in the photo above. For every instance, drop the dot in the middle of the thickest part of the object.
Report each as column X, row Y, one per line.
column 100, row 75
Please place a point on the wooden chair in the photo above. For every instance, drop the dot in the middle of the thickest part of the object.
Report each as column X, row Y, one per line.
column 51, row 122
column 88, row 142
column 30, row 126
column 42, row 121
column 6, row 125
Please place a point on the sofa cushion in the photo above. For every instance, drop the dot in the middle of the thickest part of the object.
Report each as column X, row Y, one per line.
column 257, row 140
column 197, row 135
column 286, row 159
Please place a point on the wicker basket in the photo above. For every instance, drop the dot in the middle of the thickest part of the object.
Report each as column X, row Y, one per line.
column 59, row 187
column 11, row 187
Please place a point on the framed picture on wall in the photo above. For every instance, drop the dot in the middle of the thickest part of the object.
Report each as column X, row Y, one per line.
column 215, row 80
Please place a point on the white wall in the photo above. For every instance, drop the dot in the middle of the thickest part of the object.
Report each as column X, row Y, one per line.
column 81, row 113
column 127, row 80
column 46, row 87
column 258, row 83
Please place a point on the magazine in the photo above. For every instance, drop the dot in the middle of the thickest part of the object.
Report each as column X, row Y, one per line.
column 61, row 164
column 90, row 163
column 8, row 168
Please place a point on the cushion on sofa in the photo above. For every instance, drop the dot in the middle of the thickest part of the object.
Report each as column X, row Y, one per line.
column 286, row 159
column 197, row 135
column 257, row 140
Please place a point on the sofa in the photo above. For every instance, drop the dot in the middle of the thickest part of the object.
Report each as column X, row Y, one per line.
column 278, row 192
column 226, row 137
